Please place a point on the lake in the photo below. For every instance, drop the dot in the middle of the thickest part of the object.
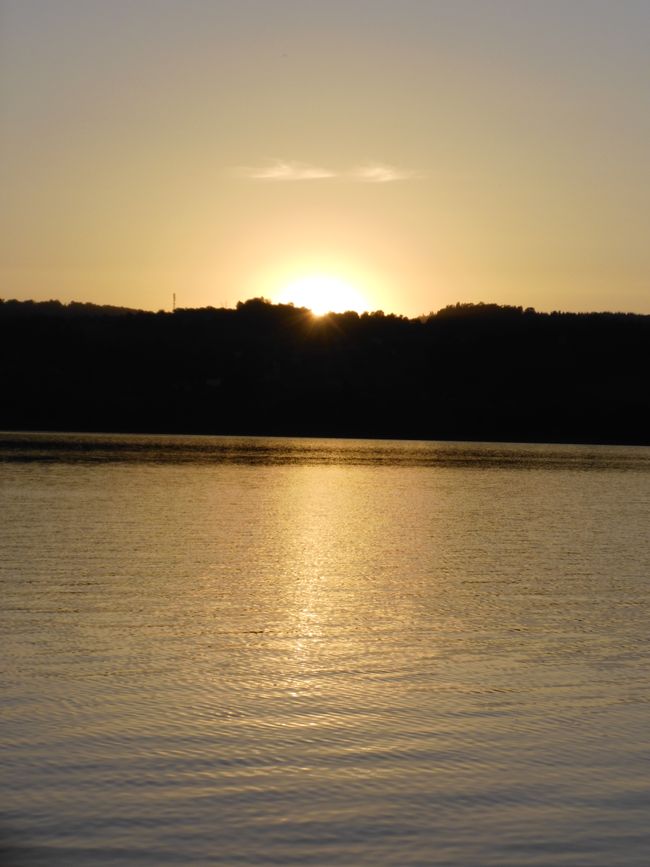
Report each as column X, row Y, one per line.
column 238, row 651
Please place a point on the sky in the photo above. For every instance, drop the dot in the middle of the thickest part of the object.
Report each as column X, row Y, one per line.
column 419, row 152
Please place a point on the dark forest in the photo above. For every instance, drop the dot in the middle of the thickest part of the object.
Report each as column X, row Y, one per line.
column 467, row 372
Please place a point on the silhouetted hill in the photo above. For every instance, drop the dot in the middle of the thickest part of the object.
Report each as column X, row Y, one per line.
column 469, row 371
column 54, row 309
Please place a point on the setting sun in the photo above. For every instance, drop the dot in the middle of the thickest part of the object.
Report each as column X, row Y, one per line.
column 323, row 293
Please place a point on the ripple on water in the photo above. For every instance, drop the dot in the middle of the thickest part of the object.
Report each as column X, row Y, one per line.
column 318, row 652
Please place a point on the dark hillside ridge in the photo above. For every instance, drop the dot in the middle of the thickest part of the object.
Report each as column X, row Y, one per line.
column 468, row 372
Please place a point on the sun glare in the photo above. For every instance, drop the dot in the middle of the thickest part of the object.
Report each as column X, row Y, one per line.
column 322, row 293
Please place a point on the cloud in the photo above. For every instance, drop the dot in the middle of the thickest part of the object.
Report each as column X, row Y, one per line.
column 380, row 173
column 281, row 170
column 284, row 171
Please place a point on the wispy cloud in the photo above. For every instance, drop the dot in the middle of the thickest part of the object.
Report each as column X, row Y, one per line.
column 281, row 170
column 380, row 173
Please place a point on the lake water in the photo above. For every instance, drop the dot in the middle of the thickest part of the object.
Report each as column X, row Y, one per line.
column 232, row 651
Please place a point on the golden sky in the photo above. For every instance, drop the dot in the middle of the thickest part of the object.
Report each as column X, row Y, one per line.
column 423, row 152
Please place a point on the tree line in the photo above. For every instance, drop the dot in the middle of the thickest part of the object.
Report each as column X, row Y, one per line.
column 468, row 372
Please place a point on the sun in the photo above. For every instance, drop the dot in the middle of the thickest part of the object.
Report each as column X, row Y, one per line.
column 323, row 293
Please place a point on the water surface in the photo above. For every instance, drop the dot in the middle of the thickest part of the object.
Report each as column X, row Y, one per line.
column 319, row 652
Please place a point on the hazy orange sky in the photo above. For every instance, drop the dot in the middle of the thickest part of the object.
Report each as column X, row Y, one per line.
column 425, row 152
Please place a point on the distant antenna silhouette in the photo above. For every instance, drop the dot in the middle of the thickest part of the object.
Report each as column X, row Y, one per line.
column 173, row 302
